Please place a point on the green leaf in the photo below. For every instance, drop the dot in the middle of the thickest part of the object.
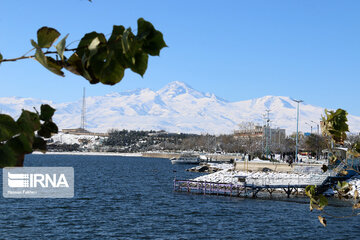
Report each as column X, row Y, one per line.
column 153, row 39
column 116, row 33
column 145, row 28
column 141, row 62
column 322, row 202
column 54, row 66
column 8, row 127
column 47, row 36
column 95, row 64
column 48, row 62
column 125, row 40
column 356, row 206
column 155, row 44
column 94, row 44
column 314, row 205
column 74, row 65
column 41, row 58
column 28, row 122
column 322, row 220
column 112, row 72
column 335, row 125
column 60, row 47
column 7, row 156
column 356, row 147
column 46, row 112
column 83, row 47
column 39, row 144
column 310, row 190
column 22, row 143
column 1, row 58
column 93, row 50
column 47, row 129
column 39, row 55
column 342, row 185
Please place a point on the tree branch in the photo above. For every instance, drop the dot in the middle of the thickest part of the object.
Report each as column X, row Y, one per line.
column 33, row 56
column 335, row 216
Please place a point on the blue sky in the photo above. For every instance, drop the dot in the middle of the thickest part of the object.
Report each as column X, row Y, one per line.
column 238, row 50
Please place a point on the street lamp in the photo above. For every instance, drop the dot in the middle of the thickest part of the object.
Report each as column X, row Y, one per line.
column 317, row 125
column 310, row 127
column 317, row 140
column 267, row 133
column 297, row 128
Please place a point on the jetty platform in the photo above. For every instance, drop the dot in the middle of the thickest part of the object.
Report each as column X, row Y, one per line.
column 233, row 190
column 244, row 187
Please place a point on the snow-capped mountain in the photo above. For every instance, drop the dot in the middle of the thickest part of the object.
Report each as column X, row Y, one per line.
column 175, row 108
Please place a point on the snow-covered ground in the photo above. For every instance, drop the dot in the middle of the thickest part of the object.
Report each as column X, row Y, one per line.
column 228, row 175
column 76, row 139
column 355, row 185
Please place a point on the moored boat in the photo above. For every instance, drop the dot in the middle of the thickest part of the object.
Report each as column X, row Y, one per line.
column 186, row 159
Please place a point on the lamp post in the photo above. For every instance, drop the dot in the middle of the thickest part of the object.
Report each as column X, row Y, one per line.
column 297, row 128
column 317, row 140
column 317, row 125
column 267, row 133
column 310, row 127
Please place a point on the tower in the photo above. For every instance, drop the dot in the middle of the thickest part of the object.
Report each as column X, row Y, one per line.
column 83, row 112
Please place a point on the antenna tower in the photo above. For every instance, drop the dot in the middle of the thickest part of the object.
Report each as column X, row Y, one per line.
column 83, row 112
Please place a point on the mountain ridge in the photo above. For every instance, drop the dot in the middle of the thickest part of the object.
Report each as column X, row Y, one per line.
column 177, row 107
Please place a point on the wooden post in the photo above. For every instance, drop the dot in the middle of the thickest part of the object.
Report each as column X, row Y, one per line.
column 288, row 192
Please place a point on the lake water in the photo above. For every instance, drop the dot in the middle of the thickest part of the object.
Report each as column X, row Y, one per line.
column 133, row 198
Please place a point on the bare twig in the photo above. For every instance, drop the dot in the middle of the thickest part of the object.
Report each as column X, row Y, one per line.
column 334, row 216
column 33, row 56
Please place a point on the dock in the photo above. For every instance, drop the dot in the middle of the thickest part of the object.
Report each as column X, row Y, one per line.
column 241, row 189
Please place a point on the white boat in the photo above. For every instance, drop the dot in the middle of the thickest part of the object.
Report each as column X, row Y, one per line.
column 186, row 159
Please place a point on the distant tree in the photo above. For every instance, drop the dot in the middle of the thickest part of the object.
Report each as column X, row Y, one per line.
column 352, row 140
column 314, row 143
column 251, row 145
column 288, row 145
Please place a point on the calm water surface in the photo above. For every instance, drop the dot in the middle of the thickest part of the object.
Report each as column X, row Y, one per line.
column 133, row 198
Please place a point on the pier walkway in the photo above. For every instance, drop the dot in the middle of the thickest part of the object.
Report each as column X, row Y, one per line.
column 246, row 188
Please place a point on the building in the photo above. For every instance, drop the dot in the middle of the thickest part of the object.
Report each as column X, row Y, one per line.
column 272, row 137
column 250, row 130
column 81, row 131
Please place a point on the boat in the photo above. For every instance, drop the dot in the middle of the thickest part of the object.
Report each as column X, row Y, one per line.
column 186, row 159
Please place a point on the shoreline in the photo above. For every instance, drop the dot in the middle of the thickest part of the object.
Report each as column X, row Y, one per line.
column 91, row 154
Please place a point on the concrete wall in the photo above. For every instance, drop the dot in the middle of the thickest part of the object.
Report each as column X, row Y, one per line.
column 218, row 157
column 278, row 167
